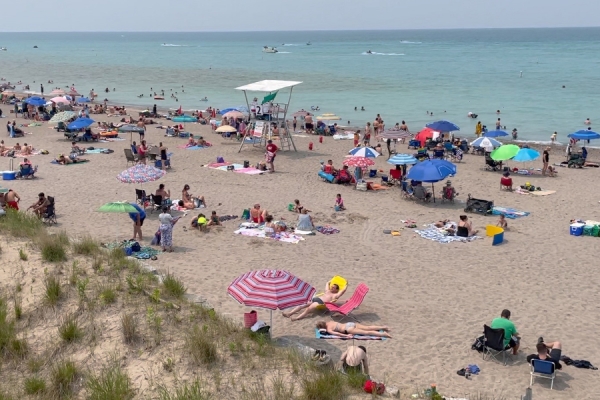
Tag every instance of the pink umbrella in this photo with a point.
(270, 289)
(233, 114)
(57, 92)
(59, 99)
(361, 162)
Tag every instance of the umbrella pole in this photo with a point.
(433, 192)
(271, 325)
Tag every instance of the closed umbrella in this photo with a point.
(443, 126)
(505, 152)
(525, 155)
(270, 289)
(495, 133)
(402, 159)
(226, 128)
(584, 135)
(35, 101)
(395, 134)
(431, 171)
(80, 123)
(364, 152)
(361, 162)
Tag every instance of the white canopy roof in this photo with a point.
(268, 86)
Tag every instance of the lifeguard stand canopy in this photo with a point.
(262, 131)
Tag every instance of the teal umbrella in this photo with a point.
(184, 118)
(118, 207)
(505, 152)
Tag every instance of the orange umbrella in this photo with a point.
(423, 135)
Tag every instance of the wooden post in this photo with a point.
(528, 395)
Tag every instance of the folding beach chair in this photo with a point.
(141, 197)
(157, 202)
(49, 217)
(543, 369)
(352, 304)
(130, 157)
(407, 191)
(336, 280)
(493, 344)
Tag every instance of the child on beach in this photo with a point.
(214, 219)
(201, 222)
(502, 222)
(298, 208)
(339, 203)
(356, 138)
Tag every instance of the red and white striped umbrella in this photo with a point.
(360, 162)
(270, 289)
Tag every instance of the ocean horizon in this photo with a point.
(400, 74)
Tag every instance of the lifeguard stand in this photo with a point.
(261, 120)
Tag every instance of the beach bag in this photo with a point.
(135, 247)
(596, 230)
(374, 387)
(220, 160)
(587, 230)
(478, 344)
(246, 214)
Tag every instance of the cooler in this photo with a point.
(9, 175)
(577, 229)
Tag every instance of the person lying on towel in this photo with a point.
(349, 329)
(62, 160)
(332, 293)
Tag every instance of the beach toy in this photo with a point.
(290, 207)
(320, 139)
(220, 160)
(337, 208)
(496, 233)
(310, 146)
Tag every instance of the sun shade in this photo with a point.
(268, 86)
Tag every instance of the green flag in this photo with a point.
(269, 97)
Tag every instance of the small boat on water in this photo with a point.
(35, 47)
(308, 44)
(3, 48)
(267, 49)
(369, 52)
(159, 98)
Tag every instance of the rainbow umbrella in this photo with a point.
(140, 173)
(270, 289)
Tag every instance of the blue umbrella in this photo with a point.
(443, 126)
(525, 155)
(239, 108)
(184, 118)
(35, 101)
(495, 133)
(80, 123)
(584, 135)
(486, 142)
(402, 159)
(364, 152)
(431, 171)
(83, 100)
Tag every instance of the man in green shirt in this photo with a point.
(511, 336)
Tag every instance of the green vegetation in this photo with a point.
(112, 383)
(69, 329)
(173, 286)
(53, 289)
(34, 385)
(63, 375)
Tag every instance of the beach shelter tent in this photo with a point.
(277, 114)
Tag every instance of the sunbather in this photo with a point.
(349, 329)
(465, 228)
(214, 219)
(332, 293)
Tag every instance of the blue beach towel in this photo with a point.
(510, 213)
(321, 335)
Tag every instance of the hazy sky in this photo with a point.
(244, 15)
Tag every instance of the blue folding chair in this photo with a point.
(440, 154)
(407, 190)
(543, 369)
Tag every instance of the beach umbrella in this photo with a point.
(364, 152)
(239, 108)
(140, 173)
(35, 101)
(184, 118)
(234, 114)
(487, 143)
(80, 123)
(495, 133)
(130, 128)
(525, 155)
(301, 113)
(226, 128)
(83, 100)
(402, 159)
(395, 134)
(361, 162)
(63, 116)
(60, 99)
(505, 152)
(424, 134)
(57, 92)
(443, 126)
(73, 92)
(431, 171)
(584, 135)
(118, 207)
(328, 117)
(271, 290)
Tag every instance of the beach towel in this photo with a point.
(509, 212)
(327, 230)
(543, 192)
(224, 167)
(108, 140)
(252, 140)
(33, 153)
(324, 335)
(298, 232)
(343, 136)
(95, 151)
(439, 235)
(260, 233)
(64, 165)
(249, 171)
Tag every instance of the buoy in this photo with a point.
(320, 139)
(310, 146)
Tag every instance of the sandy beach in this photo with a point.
(435, 297)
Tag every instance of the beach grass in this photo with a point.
(53, 289)
(130, 327)
(34, 385)
(63, 375)
(86, 246)
(111, 383)
(173, 286)
(69, 329)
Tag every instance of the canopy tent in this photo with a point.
(275, 116)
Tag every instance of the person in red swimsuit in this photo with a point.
(12, 200)
(257, 215)
(270, 154)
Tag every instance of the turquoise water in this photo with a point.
(449, 72)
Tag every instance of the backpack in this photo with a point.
(374, 387)
(478, 344)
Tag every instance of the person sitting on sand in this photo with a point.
(349, 329)
(27, 149)
(62, 160)
(332, 293)
(502, 222)
(329, 168)
(191, 142)
(297, 207)
(214, 219)
(506, 181)
(200, 223)
(352, 359)
(190, 202)
(305, 222)
(3, 149)
(39, 207)
(339, 203)
(343, 176)
(547, 351)
(76, 149)
(17, 148)
(465, 228)
(271, 228)
(257, 215)
(201, 142)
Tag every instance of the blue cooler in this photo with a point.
(577, 229)
(9, 175)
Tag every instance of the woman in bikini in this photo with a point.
(349, 329)
(188, 201)
(332, 293)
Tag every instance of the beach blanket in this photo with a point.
(324, 335)
(252, 140)
(108, 140)
(260, 233)
(95, 151)
(509, 212)
(239, 168)
(192, 147)
(75, 163)
(439, 235)
(343, 136)
(249, 171)
(543, 192)
(327, 230)
(33, 153)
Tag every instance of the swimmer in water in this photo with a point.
(588, 122)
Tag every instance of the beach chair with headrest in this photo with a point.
(493, 344)
(130, 157)
(336, 280)
(543, 369)
(395, 176)
(26, 171)
(49, 216)
(352, 304)
(407, 190)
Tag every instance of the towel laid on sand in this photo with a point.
(260, 233)
(324, 335)
(74, 163)
(327, 230)
(509, 212)
(439, 235)
(543, 192)
(95, 151)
